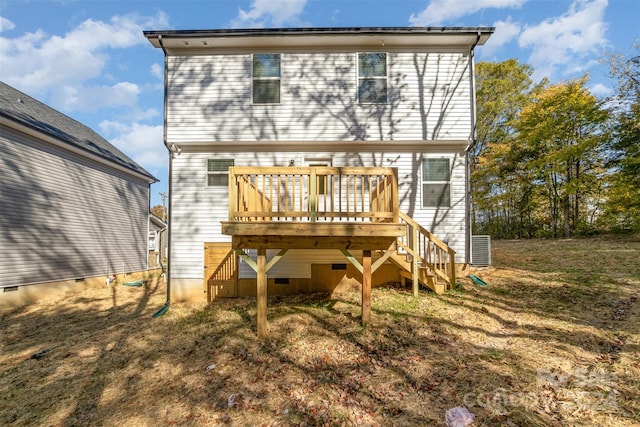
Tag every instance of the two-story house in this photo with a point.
(316, 155)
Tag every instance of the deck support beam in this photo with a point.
(367, 269)
(262, 293)
(353, 260)
(383, 258)
(261, 267)
(366, 287)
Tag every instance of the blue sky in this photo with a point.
(90, 60)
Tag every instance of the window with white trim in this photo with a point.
(372, 78)
(218, 172)
(266, 78)
(436, 183)
(152, 241)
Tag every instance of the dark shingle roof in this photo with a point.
(25, 110)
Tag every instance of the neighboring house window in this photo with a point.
(436, 186)
(266, 78)
(218, 172)
(152, 240)
(372, 78)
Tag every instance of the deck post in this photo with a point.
(262, 293)
(452, 268)
(313, 197)
(366, 287)
(414, 262)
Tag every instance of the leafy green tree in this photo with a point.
(502, 89)
(562, 132)
(623, 209)
(501, 195)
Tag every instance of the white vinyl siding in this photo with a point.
(210, 99)
(66, 217)
(200, 212)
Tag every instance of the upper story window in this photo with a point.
(436, 183)
(218, 172)
(266, 78)
(372, 78)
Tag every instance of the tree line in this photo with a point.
(553, 160)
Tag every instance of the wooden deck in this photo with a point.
(347, 208)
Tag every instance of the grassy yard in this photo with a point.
(552, 341)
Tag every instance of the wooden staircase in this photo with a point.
(424, 259)
(420, 257)
(330, 208)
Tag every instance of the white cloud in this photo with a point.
(580, 67)
(568, 39)
(6, 25)
(439, 11)
(39, 64)
(270, 13)
(335, 15)
(600, 90)
(506, 31)
(157, 71)
(92, 98)
(148, 114)
(143, 143)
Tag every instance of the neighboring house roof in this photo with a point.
(22, 109)
(157, 221)
(380, 37)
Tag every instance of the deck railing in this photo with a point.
(313, 194)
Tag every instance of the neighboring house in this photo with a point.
(72, 206)
(157, 242)
(329, 117)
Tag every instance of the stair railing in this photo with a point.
(427, 251)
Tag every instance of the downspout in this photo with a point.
(160, 254)
(469, 151)
(164, 138)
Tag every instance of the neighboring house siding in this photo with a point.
(197, 210)
(66, 217)
(209, 99)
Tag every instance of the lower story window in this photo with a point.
(436, 183)
(218, 172)
(152, 241)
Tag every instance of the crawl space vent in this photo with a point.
(481, 250)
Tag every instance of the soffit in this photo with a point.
(178, 41)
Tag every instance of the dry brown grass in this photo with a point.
(553, 340)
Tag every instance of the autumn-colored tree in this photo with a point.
(539, 156)
(501, 197)
(562, 133)
(160, 212)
